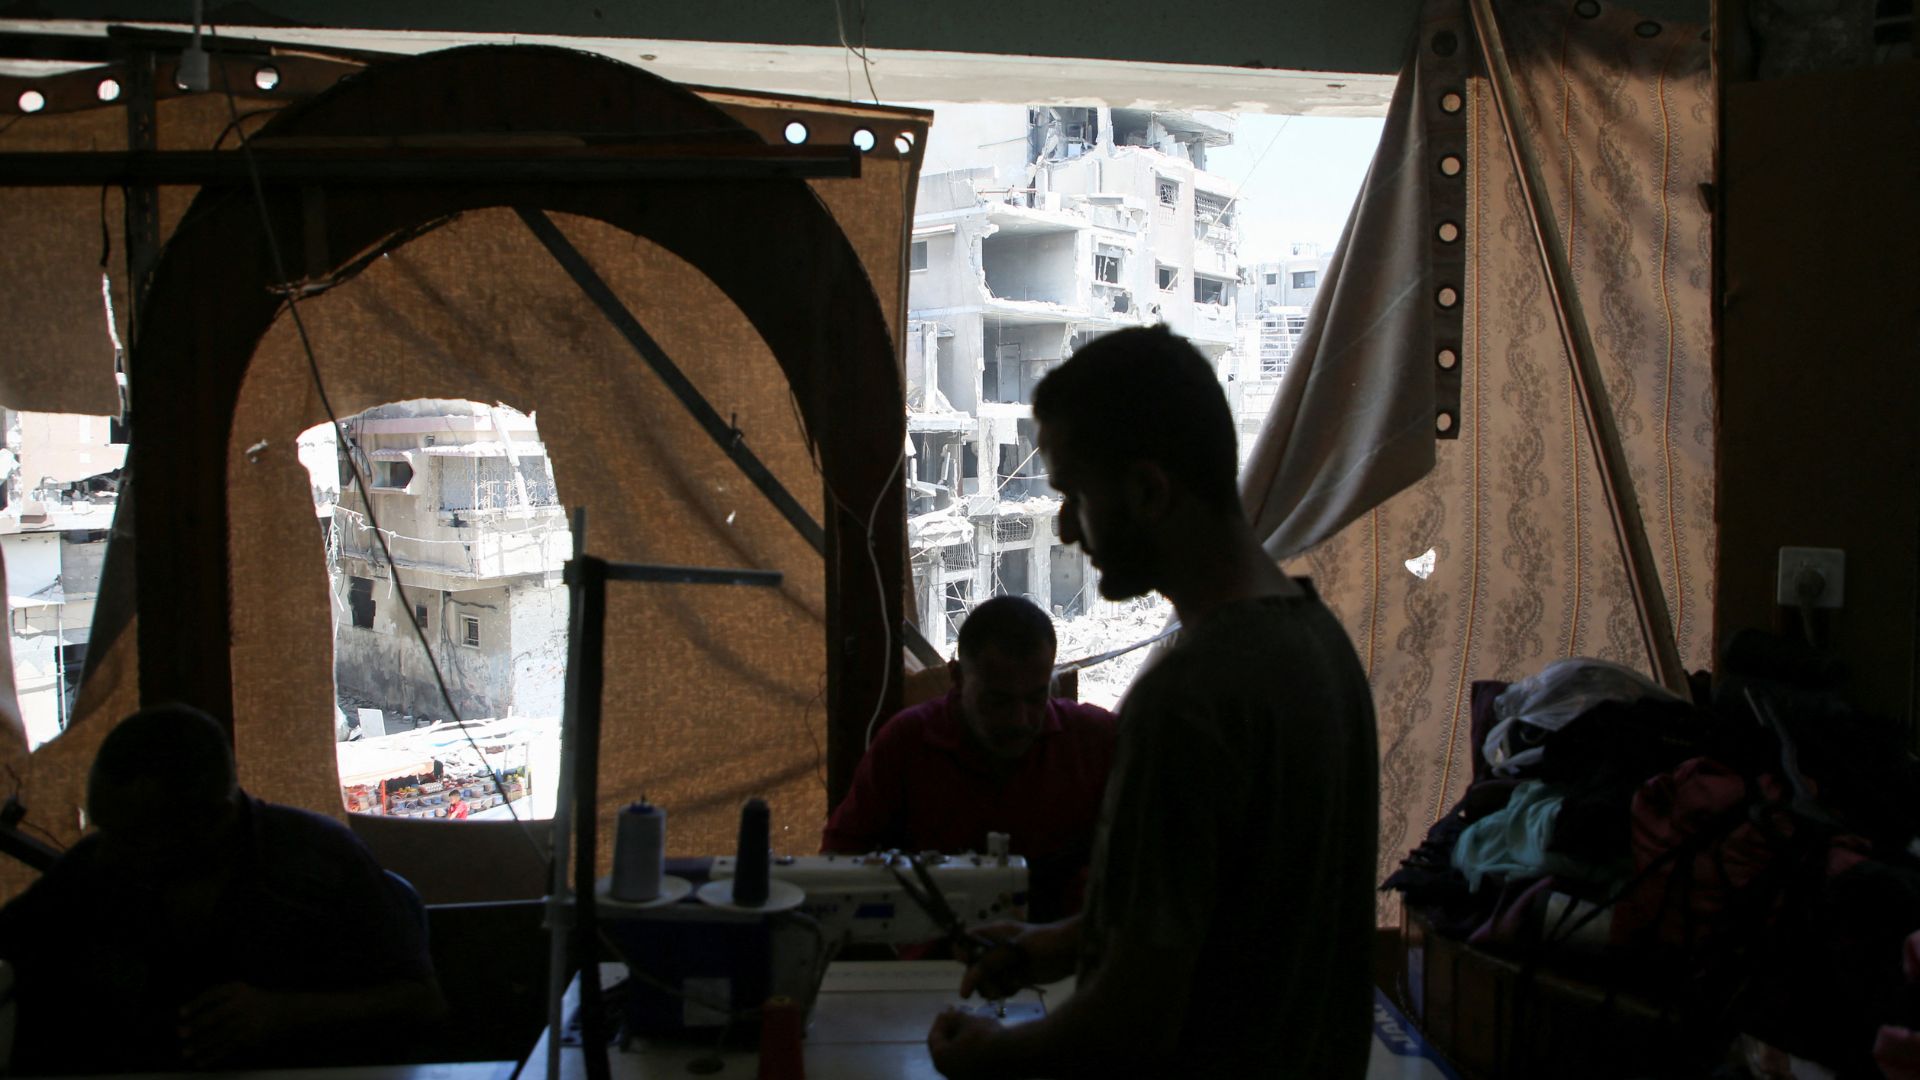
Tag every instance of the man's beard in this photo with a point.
(1124, 565)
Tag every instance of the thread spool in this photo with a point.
(752, 862)
(639, 852)
(780, 1057)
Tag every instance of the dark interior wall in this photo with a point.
(1354, 36)
(1820, 387)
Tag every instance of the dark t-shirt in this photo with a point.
(1240, 828)
(101, 975)
(924, 785)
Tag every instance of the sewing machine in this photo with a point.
(701, 967)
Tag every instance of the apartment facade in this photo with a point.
(465, 497)
(1036, 230)
(1275, 298)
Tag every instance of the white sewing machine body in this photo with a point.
(699, 966)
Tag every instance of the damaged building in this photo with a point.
(1275, 298)
(464, 496)
(1036, 230)
(59, 487)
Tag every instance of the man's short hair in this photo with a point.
(1144, 394)
(1013, 624)
(176, 744)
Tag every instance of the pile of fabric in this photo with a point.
(1751, 866)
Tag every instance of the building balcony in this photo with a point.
(938, 422)
(1216, 259)
(468, 548)
(1213, 323)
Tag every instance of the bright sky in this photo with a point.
(1298, 177)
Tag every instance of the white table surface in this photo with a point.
(458, 1070)
(871, 1021)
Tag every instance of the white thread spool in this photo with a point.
(639, 852)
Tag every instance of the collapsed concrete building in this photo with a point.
(1037, 229)
(465, 497)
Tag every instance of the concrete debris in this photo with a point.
(1111, 626)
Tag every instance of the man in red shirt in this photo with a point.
(996, 754)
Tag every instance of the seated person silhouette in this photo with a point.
(197, 926)
(996, 754)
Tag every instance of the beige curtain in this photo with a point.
(1502, 558)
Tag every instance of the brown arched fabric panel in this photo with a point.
(56, 356)
(711, 693)
(806, 265)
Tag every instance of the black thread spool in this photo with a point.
(752, 863)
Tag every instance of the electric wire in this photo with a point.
(359, 481)
(24, 823)
(234, 124)
(1245, 180)
(866, 62)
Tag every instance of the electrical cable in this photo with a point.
(1242, 186)
(51, 839)
(23, 822)
(866, 62)
(359, 481)
(873, 557)
(819, 753)
(234, 124)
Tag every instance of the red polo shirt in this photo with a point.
(925, 786)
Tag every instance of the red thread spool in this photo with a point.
(780, 1025)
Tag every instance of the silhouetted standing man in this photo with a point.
(1230, 914)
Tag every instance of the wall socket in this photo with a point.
(1827, 566)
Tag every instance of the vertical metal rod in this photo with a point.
(591, 575)
(142, 232)
(559, 912)
(1650, 602)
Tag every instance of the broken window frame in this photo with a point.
(1168, 192)
(388, 475)
(1167, 277)
(360, 602)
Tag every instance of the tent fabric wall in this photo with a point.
(1502, 558)
(710, 692)
(477, 308)
(57, 353)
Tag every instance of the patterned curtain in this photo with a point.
(1502, 557)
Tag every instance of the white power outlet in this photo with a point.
(1824, 567)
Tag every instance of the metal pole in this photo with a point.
(1650, 602)
(142, 233)
(559, 913)
(590, 586)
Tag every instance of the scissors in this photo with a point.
(926, 895)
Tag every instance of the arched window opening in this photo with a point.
(450, 638)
